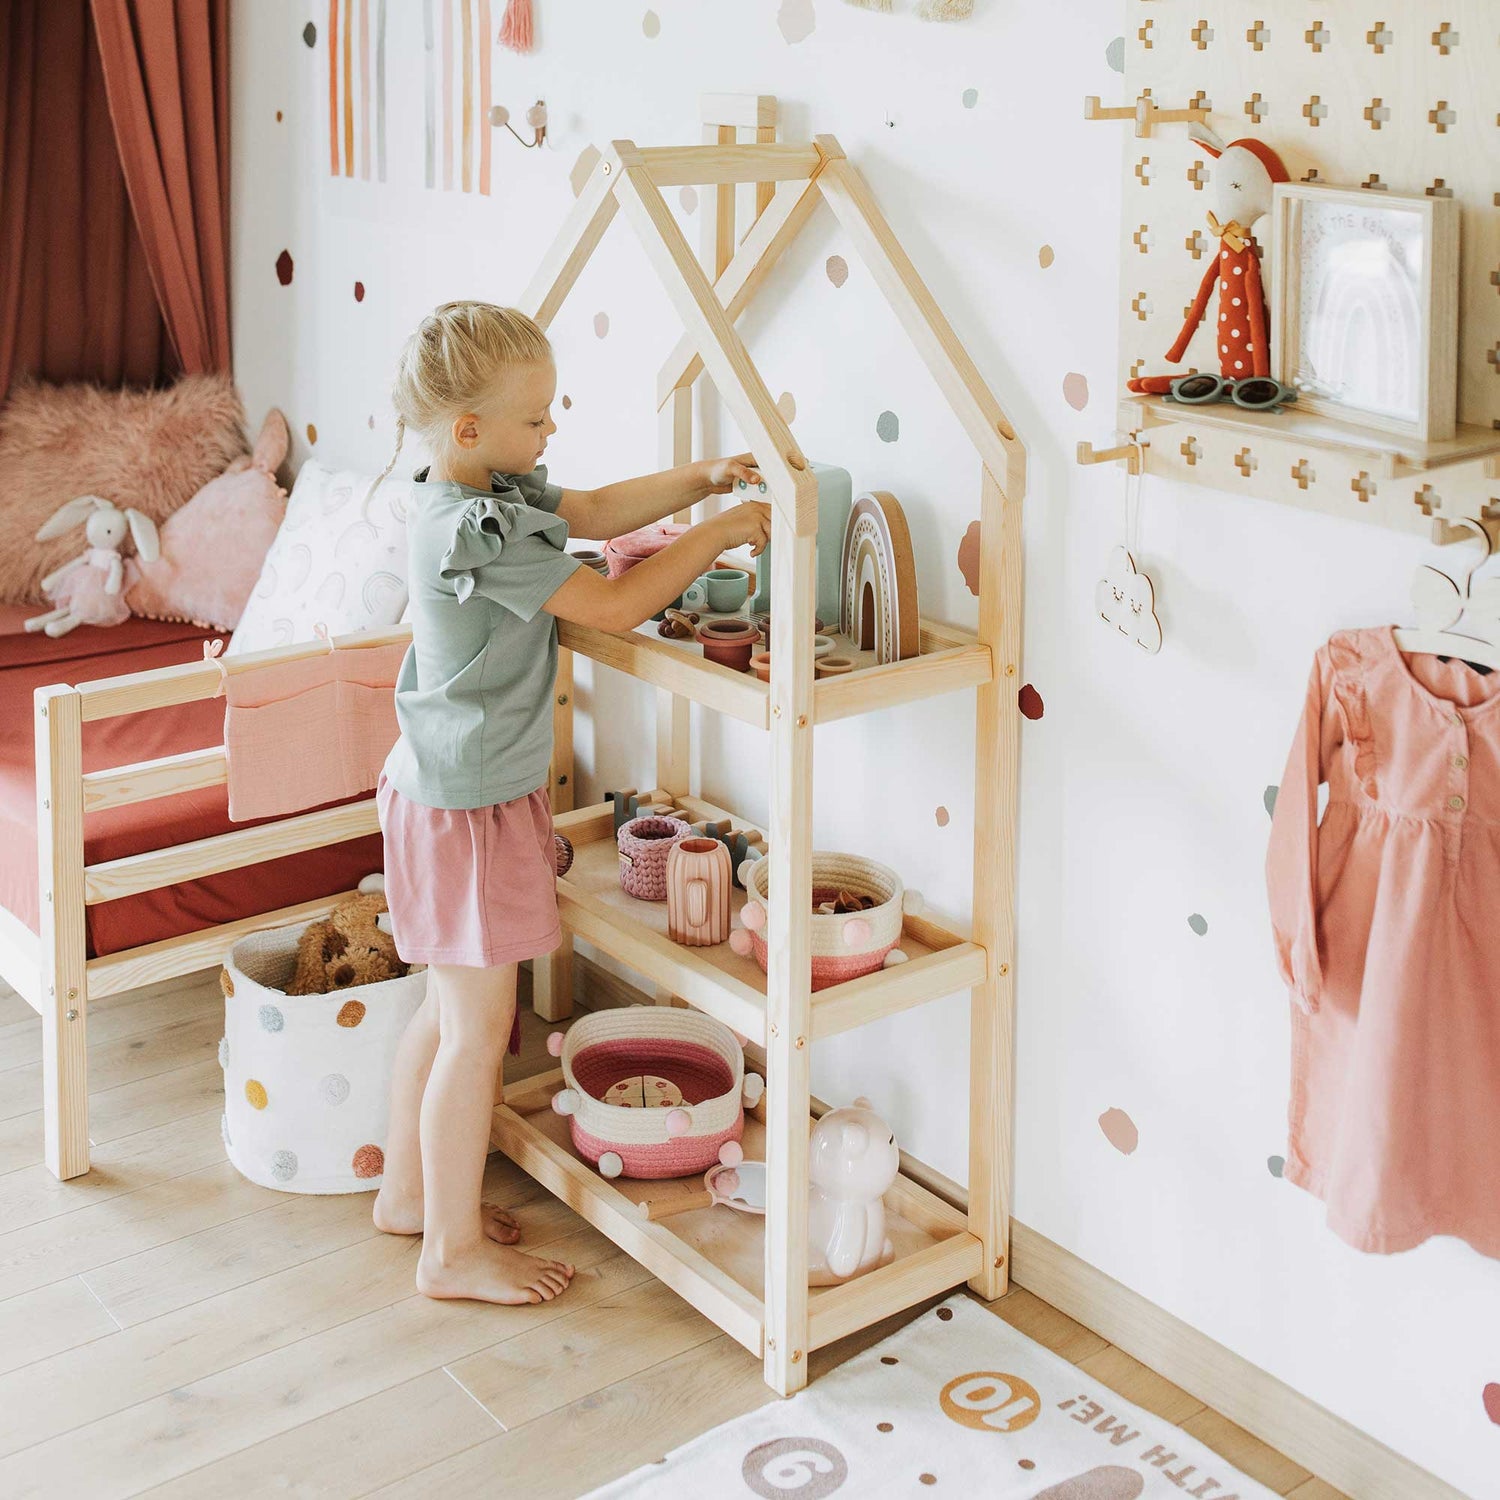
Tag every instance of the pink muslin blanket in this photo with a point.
(302, 733)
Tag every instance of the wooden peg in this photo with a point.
(1131, 453)
(1146, 113)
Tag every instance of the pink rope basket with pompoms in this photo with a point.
(695, 1055)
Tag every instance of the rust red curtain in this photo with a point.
(76, 299)
(166, 71)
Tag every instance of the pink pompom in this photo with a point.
(679, 1122)
(731, 1154)
(564, 1102)
(555, 1044)
(857, 932)
(753, 916)
(739, 940)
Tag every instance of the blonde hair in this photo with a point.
(449, 364)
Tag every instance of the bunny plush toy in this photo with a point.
(91, 589)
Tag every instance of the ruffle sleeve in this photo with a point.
(490, 524)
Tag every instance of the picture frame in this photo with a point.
(1364, 306)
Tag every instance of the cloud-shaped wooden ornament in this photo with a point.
(1126, 600)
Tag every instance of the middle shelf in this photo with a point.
(948, 661)
(731, 988)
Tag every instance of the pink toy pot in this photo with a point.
(624, 552)
(645, 844)
(699, 878)
(729, 642)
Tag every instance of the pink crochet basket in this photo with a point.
(644, 845)
(685, 1074)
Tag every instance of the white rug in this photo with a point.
(959, 1404)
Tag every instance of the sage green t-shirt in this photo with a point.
(474, 696)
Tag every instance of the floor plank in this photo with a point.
(338, 1457)
(127, 1015)
(1042, 1322)
(608, 1433)
(1132, 1380)
(1235, 1445)
(48, 1321)
(1316, 1489)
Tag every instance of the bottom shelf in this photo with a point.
(714, 1257)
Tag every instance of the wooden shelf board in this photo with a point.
(719, 981)
(715, 1257)
(950, 661)
(1386, 453)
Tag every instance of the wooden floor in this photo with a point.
(168, 1328)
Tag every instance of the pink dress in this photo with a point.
(1387, 924)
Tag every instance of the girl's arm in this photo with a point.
(623, 603)
(628, 504)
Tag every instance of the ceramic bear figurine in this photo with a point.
(852, 1161)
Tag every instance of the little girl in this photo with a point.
(469, 865)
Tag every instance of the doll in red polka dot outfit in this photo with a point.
(1242, 195)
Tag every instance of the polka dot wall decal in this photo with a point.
(927, 1478)
(369, 1161)
(786, 404)
(310, 34)
(1198, 924)
(567, 403)
(888, 427)
(971, 98)
(284, 268)
(312, 433)
(1045, 257)
(688, 198)
(1492, 1402)
(1026, 1463)
(1268, 799)
(255, 1093)
(837, 268)
(1276, 1165)
(1075, 390)
(1119, 1130)
(601, 325)
(1030, 703)
(968, 558)
(284, 1165)
(884, 1427)
(651, 23)
(271, 1019)
(583, 168)
(1114, 54)
(351, 1013)
(942, 817)
(359, 291)
(796, 20)
(334, 1089)
(278, 117)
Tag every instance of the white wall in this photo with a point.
(1142, 785)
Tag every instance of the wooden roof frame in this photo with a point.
(630, 178)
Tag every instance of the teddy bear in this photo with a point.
(852, 1161)
(348, 947)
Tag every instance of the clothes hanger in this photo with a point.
(1441, 601)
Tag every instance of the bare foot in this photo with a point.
(491, 1273)
(404, 1216)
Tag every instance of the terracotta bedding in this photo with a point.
(28, 662)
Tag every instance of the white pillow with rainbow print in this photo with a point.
(330, 564)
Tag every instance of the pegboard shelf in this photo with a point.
(1381, 454)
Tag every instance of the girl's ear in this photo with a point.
(466, 430)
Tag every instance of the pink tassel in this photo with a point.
(515, 28)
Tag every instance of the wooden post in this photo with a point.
(674, 722)
(992, 1003)
(789, 978)
(63, 950)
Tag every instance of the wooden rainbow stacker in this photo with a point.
(713, 1259)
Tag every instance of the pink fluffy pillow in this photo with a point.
(147, 449)
(213, 547)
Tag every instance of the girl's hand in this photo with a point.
(749, 523)
(720, 474)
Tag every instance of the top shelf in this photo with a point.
(1387, 455)
(949, 661)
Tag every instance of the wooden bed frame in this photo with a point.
(52, 971)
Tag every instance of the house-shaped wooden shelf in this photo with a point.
(712, 1257)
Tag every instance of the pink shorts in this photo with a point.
(476, 887)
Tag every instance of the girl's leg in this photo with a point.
(398, 1204)
(475, 1011)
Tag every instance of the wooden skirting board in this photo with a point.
(1333, 1449)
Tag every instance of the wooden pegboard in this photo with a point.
(1400, 96)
